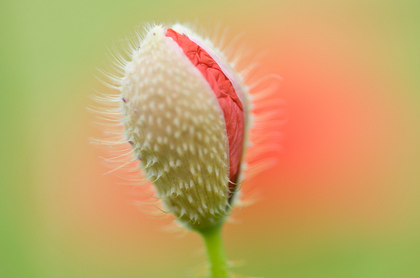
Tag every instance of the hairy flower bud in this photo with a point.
(185, 113)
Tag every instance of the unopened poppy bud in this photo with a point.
(185, 115)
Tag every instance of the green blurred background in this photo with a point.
(343, 201)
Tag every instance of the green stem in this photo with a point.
(213, 239)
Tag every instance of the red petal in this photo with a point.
(228, 100)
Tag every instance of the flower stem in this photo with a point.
(213, 239)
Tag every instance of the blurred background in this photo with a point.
(343, 200)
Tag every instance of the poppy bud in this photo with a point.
(185, 114)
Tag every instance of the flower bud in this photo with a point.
(185, 115)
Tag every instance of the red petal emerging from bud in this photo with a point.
(229, 101)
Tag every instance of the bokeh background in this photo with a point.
(343, 200)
